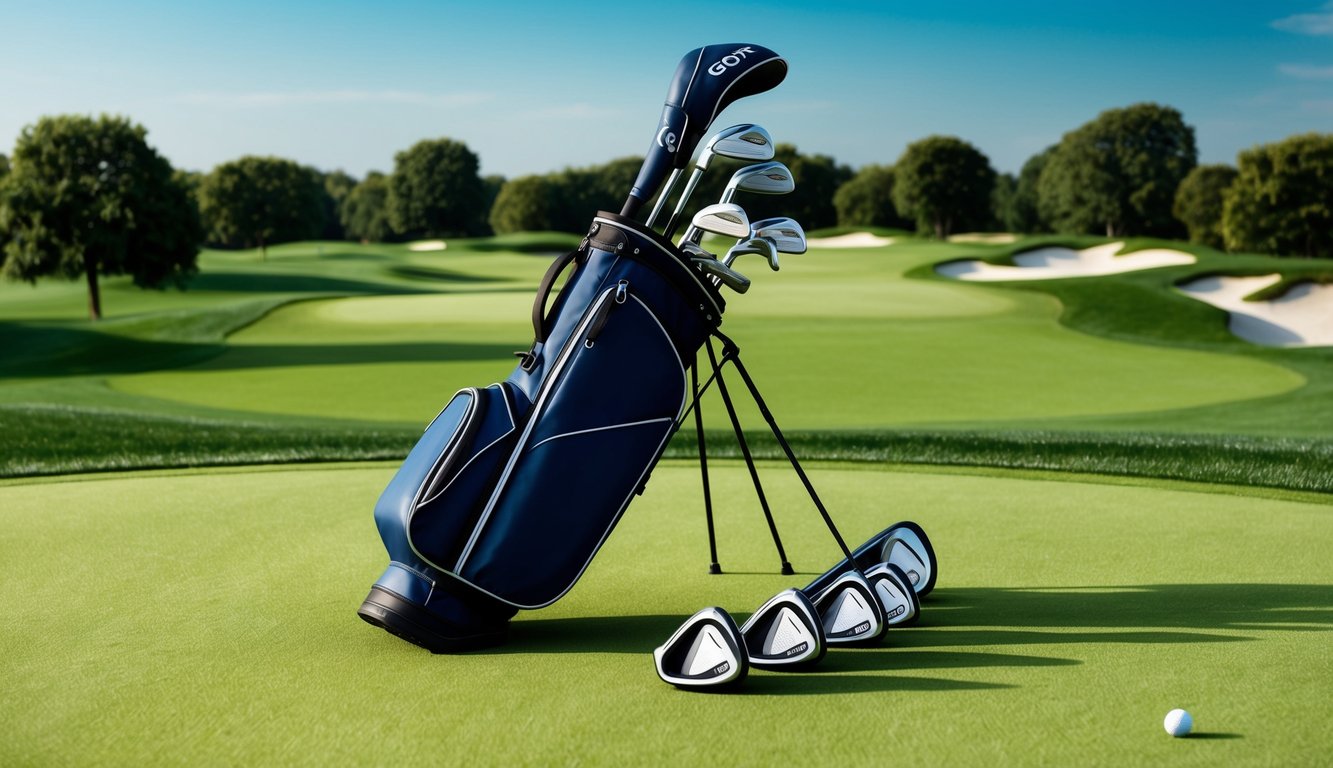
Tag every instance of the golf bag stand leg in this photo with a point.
(732, 353)
(713, 565)
(787, 570)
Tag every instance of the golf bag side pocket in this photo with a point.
(439, 491)
(597, 429)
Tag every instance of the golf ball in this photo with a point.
(1178, 722)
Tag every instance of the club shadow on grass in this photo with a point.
(1206, 736)
(1150, 613)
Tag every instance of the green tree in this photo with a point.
(1281, 201)
(255, 202)
(365, 211)
(4, 165)
(866, 200)
(524, 204)
(579, 193)
(1023, 213)
(945, 183)
(435, 191)
(1003, 199)
(337, 185)
(1199, 203)
(1118, 173)
(89, 197)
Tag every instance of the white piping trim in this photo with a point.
(684, 398)
(488, 446)
(417, 503)
(600, 429)
(556, 372)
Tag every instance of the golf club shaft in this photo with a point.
(662, 198)
(690, 184)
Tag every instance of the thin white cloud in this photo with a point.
(1313, 24)
(1318, 106)
(1306, 72)
(575, 111)
(305, 98)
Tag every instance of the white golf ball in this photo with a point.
(1178, 722)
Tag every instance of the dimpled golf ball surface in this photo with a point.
(1178, 722)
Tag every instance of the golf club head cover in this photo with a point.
(785, 632)
(895, 594)
(707, 80)
(706, 652)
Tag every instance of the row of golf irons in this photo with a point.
(854, 603)
(765, 238)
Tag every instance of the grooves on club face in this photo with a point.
(895, 594)
(849, 611)
(726, 219)
(706, 652)
(785, 633)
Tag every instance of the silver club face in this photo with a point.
(759, 246)
(726, 219)
(764, 179)
(706, 652)
(785, 233)
(784, 632)
(739, 142)
(849, 611)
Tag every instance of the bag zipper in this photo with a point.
(599, 309)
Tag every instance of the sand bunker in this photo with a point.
(1051, 263)
(427, 245)
(1301, 317)
(852, 240)
(985, 238)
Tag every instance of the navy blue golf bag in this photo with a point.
(514, 487)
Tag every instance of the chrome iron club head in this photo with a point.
(761, 246)
(895, 594)
(739, 142)
(786, 233)
(849, 611)
(706, 652)
(785, 632)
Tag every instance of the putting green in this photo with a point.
(209, 619)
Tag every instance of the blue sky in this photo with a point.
(536, 86)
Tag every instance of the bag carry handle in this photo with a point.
(541, 325)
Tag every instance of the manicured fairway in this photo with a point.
(209, 619)
(839, 336)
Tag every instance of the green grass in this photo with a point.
(199, 619)
(205, 616)
(337, 351)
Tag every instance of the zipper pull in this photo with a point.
(604, 313)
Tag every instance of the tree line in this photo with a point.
(83, 196)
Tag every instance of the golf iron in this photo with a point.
(707, 651)
(785, 632)
(739, 142)
(895, 593)
(903, 544)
